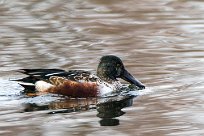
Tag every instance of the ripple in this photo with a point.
(160, 42)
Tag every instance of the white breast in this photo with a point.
(106, 88)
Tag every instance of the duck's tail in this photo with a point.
(28, 83)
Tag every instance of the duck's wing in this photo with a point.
(34, 75)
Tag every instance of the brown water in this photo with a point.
(160, 42)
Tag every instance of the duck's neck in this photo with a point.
(107, 79)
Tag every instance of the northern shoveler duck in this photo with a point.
(79, 83)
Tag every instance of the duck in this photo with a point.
(80, 83)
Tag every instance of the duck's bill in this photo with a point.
(129, 78)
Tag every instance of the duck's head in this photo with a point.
(111, 67)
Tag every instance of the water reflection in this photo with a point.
(111, 109)
(108, 108)
(65, 105)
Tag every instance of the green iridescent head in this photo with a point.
(111, 67)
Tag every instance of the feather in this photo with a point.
(75, 89)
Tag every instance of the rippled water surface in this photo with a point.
(160, 42)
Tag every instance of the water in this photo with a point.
(160, 42)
